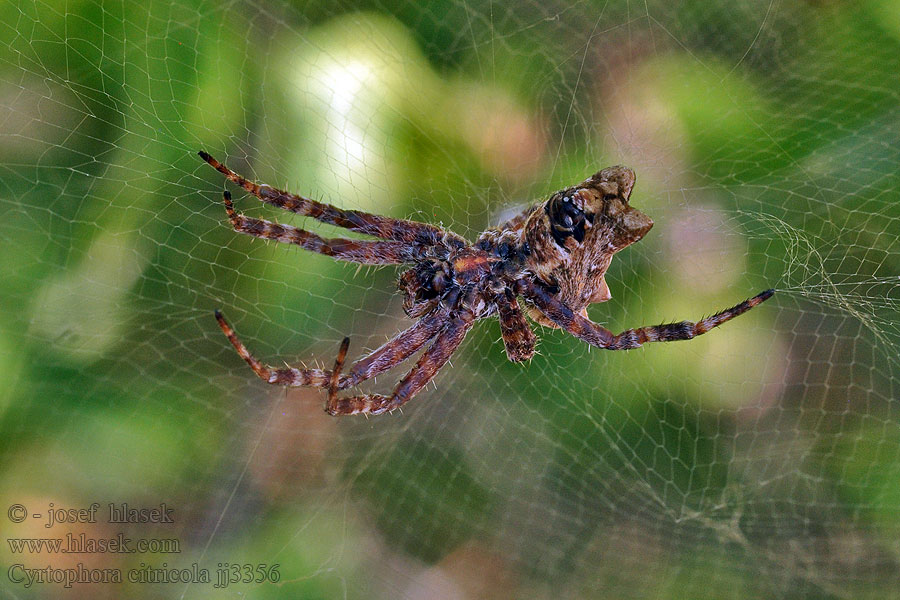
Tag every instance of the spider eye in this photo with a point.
(566, 220)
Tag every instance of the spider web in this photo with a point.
(761, 460)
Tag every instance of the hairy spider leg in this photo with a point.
(358, 251)
(431, 361)
(290, 376)
(601, 337)
(396, 350)
(375, 225)
(517, 335)
(338, 365)
(384, 358)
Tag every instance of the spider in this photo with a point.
(554, 255)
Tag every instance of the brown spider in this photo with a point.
(554, 255)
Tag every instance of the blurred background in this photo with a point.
(761, 460)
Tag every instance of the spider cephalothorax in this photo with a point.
(574, 235)
(554, 255)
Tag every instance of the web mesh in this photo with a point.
(760, 460)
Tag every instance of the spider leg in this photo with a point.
(375, 225)
(289, 376)
(396, 350)
(431, 361)
(358, 251)
(601, 337)
(517, 335)
(386, 357)
(338, 365)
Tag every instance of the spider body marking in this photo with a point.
(554, 255)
